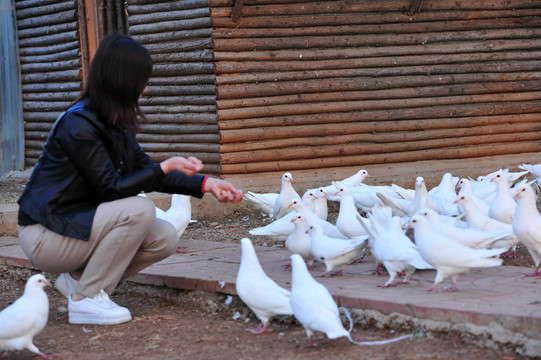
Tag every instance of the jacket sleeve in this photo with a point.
(84, 145)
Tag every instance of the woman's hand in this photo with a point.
(189, 166)
(223, 191)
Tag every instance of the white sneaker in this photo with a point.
(66, 284)
(99, 310)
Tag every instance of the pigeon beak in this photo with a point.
(292, 220)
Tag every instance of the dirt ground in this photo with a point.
(174, 324)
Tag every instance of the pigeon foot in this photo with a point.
(260, 329)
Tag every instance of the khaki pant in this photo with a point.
(125, 238)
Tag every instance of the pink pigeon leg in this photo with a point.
(535, 273)
(432, 287)
(179, 249)
(260, 329)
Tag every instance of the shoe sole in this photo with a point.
(77, 319)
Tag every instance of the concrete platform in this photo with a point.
(498, 298)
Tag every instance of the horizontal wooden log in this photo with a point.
(51, 96)
(182, 69)
(184, 45)
(52, 87)
(181, 90)
(184, 129)
(50, 66)
(47, 31)
(40, 120)
(170, 26)
(236, 67)
(44, 9)
(466, 152)
(301, 43)
(177, 109)
(379, 104)
(221, 21)
(52, 76)
(59, 56)
(280, 88)
(388, 142)
(49, 39)
(400, 93)
(180, 99)
(307, 74)
(172, 35)
(383, 130)
(203, 55)
(426, 49)
(190, 79)
(45, 105)
(143, 7)
(182, 118)
(43, 20)
(399, 6)
(176, 138)
(34, 144)
(307, 28)
(137, 20)
(265, 131)
(180, 147)
(205, 157)
(25, 4)
(46, 50)
(177, 128)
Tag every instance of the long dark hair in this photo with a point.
(118, 74)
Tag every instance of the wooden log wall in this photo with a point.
(180, 100)
(49, 50)
(324, 84)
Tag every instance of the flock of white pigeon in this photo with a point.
(452, 233)
(446, 229)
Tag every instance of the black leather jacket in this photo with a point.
(84, 163)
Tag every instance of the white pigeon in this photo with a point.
(321, 207)
(299, 242)
(286, 195)
(179, 213)
(444, 196)
(345, 222)
(353, 180)
(465, 186)
(527, 224)
(473, 238)
(449, 257)
(476, 219)
(259, 292)
(159, 212)
(26, 318)
(420, 193)
(502, 207)
(264, 202)
(327, 227)
(314, 307)
(281, 228)
(335, 252)
(397, 252)
(535, 170)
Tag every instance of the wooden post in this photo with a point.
(89, 37)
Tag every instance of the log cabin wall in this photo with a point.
(49, 49)
(180, 100)
(334, 84)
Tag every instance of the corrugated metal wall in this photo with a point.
(320, 84)
(50, 65)
(180, 100)
(11, 124)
